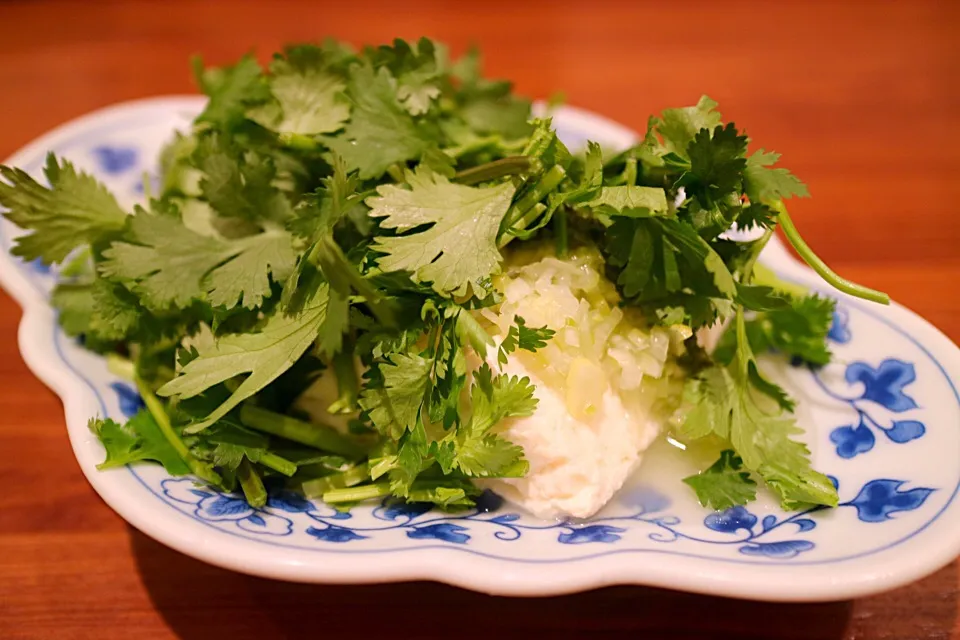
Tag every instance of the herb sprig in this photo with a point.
(343, 213)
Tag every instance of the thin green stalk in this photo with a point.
(470, 331)
(518, 228)
(818, 265)
(337, 269)
(630, 172)
(550, 180)
(297, 141)
(396, 172)
(747, 273)
(560, 232)
(147, 186)
(318, 487)
(120, 366)
(199, 468)
(357, 494)
(278, 464)
(348, 384)
(252, 485)
(313, 435)
(509, 166)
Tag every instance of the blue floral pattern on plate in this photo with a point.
(883, 385)
(876, 501)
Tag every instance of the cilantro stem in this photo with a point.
(120, 366)
(470, 331)
(818, 265)
(340, 272)
(318, 487)
(756, 249)
(297, 141)
(277, 463)
(560, 233)
(313, 435)
(252, 485)
(525, 210)
(357, 494)
(550, 180)
(200, 469)
(630, 172)
(508, 166)
(348, 386)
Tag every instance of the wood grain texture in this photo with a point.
(861, 98)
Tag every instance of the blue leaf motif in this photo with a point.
(223, 507)
(880, 498)
(731, 520)
(905, 431)
(591, 533)
(332, 533)
(768, 521)
(341, 515)
(114, 160)
(505, 518)
(805, 524)
(782, 549)
(852, 441)
(407, 510)
(128, 398)
(290, 502)
(839, 329)
(441, 531)
(258, 520)
(884, 385)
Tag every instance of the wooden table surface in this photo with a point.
(862, 100)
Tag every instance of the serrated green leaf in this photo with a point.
(460, 248)
(74, 211)
(724, 484)
(763, 183)
(264, 355)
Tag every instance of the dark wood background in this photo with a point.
(862, 100)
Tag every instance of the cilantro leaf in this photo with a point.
(239, 184)
(395, 407)
(418, 70)
(716, 162)
(138, 440)
(724, 484)
(630, 201)
(460, 246)
(75, 210)
(230, 89)
(307, 99)
(678, 127)
(172, 265)
(797, 329)
(725, 405)
(380, 133)
(480, 453)
(264, 355)
(763, 183)
(524, 337)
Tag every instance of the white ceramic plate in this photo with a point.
(884, 420)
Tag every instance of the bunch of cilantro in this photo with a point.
(342, 213)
